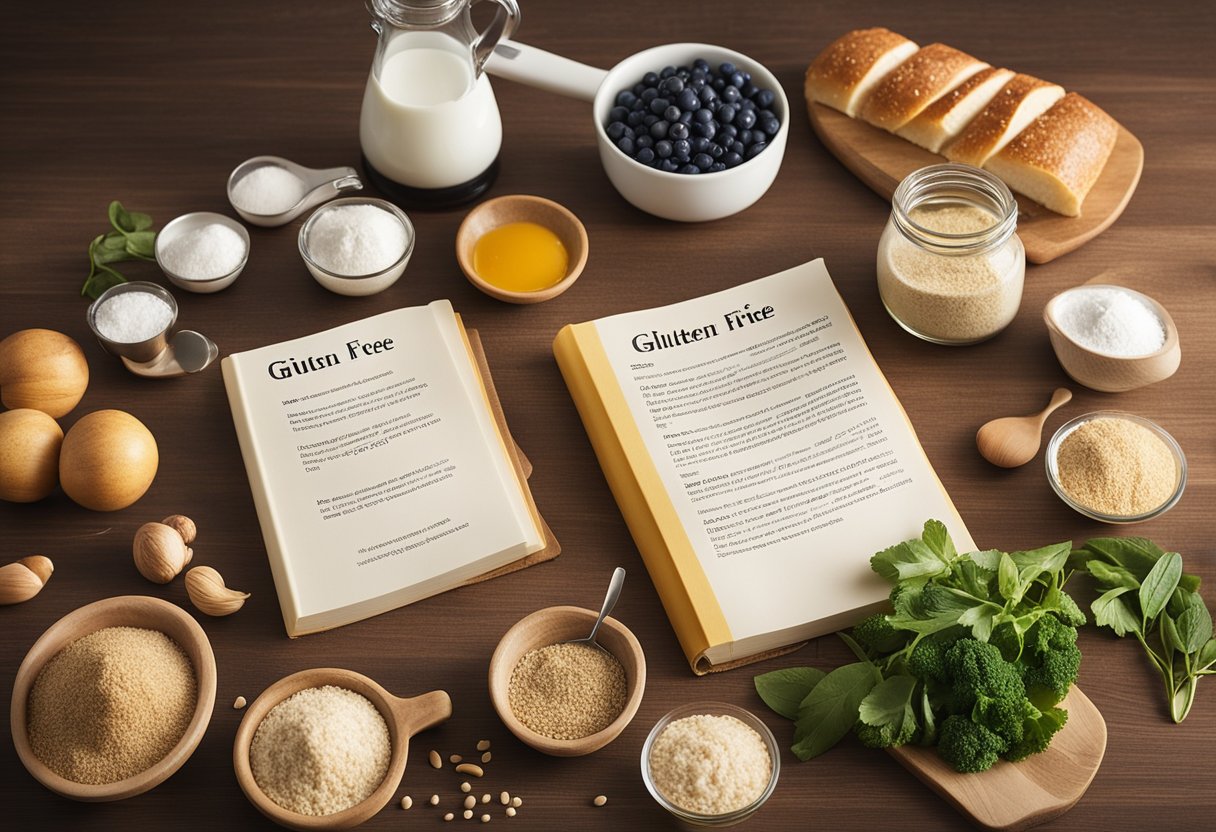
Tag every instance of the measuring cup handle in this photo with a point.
(537, 68)
(506, 20)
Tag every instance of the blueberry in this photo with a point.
(700, 144)
(649, 119)
(681, 147)
(726, 68)
(730, 94)
(749, 89)
(663, 148)
(673, 86)
(746, 119)
(626, 145)
(707, 94)
(701, 64)
(708, 131)
(644, 140)
(667, 72)
(615, 130)
(717, 151)
(686, 169)
(719, 84)
(746, 137)
(685, 117)
(645, 156)
(729, 132)
(770, 126)
(703, 161)
(726, 113)
(682, 73)
(669, 165)
(625, 98)
(638, 89)
(736, 80)
(649, 94)
(716, 167)
(755, 149)
(672, 113)
(658, 105)
(635, 118)
(765, 98)
(701, 116)
(659, 129)
(638, 104)
(688, 100)
(738, 147)
(732, 159)
(650, 79)
(679, 130)
(618, 113)
(766, 113)
(746, 104)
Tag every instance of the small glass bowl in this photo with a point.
(361, 284)
(694, 820)
(191, 222)
(1053, 471)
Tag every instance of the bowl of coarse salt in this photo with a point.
(710, 764)
(357, 245)
(1111, 338)
(203, 251)
(326, 748)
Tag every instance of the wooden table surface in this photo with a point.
(154, 104)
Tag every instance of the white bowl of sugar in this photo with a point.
(357, 245)
(203, 251)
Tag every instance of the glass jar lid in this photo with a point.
(960, 185)
(423, 13)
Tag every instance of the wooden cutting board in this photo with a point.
(881, 160)
(1013, 796)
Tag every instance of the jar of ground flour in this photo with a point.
(950, 267)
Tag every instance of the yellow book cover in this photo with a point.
(758, 456)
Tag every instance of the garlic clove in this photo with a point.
(183, 525)
(22, 580)
(159, 552)
(207, 591)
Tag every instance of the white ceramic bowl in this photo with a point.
(362, 284)
(186, 223)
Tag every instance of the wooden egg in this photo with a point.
(42, 369)
(108, 460)
(29, 455)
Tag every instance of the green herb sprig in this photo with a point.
(1146, 593)
(131, 239)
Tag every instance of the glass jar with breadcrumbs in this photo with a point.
(950, 264)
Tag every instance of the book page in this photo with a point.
(381, 466)
(786, 455)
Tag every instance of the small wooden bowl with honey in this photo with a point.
(521, 248)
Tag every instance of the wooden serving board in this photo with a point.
(881, 160)
(1013, 796)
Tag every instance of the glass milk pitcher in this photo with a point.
(430, 129)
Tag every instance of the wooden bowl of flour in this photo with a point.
(404, 717)
(138, 611)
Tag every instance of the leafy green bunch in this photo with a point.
(130, 239)
(974, 659)
(1146, 593)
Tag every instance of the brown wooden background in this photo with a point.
(155, 103)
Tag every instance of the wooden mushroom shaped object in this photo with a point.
(1014, 440)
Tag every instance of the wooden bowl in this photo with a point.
(123, 611)
(554, 625)
(497, 212)
(1113, 373)
(405, 717)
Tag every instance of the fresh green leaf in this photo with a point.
(937, 538)
(974, 579)
(989, 559)
(1159, 584)
(104, 278)
(1170, 639)
(928, 723)
(831, 708)
(112, 241)
(1111, 576)
(140, 222)
(1207, 655)
(1194, 626)
(980, 619)
(1046, 559)
(889, 703)
(783, 690)
(908, 561)
(1008, 580)
(142, 244)
(119, 218)
(1136, 554)
(1110, 611)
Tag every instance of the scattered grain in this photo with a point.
(510, 811)
(567, 691)
(600, 800)
(467, 813)
(111, 704)
(449, 816)
(505, 799)
(434, 800)
(485, 818)
(455, 758)
(471, 769)
(465, 787)
(1116, 466)
(485, 758)
(407, 802)
(239, 703)
(436, 760)
(485, 798)
(516, 802)
(320, 751)
(483, 745)
(470, 802)
(710, 764)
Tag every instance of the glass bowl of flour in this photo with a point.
(357, 245)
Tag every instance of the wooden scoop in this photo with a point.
(1014, 796)
(405, 717)
(1014, 440)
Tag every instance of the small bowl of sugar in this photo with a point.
(132, 320)
(357, 245)
(1111, 338)
(203, 251)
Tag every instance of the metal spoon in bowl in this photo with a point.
(610, 599)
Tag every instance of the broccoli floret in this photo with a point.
(968, 746)
(1050, 661)
(1003, 717)
(977, 670)
(876, 635)
(885, 736)
(1038, 729)
(928, 659)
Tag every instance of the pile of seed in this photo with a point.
(1116, 466)
(320, 751)
(111, 704)
(567, 691)
(710, 764)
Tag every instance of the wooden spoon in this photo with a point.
(1014, 440)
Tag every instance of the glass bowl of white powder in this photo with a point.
(710, 764)
(357, 245)
(203, 251)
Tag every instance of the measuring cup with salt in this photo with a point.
(614, 592)
(290, 188)
(140, 334)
